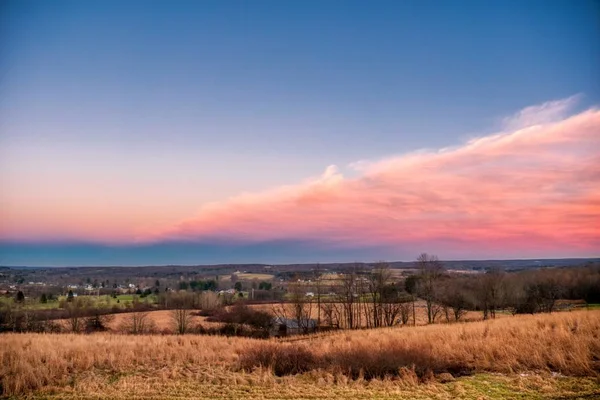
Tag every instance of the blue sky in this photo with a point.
(145, 111)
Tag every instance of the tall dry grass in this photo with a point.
(568, 343)
(30, 361)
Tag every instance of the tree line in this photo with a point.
(377, 297)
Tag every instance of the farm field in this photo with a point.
(539, 357)
(247, 277)
(163, 322)
(106, 301)
(420, 312)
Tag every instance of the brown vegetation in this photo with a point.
(568, 343)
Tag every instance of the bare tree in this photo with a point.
(411, 286)
(396, 305)
(76, 311)
(318, 285)
(405, 311)
(543, 292)
(11, 316)
(181, 314)
(208, 300)
(97, 319)
(454, 299)
(489, 292)
(181, 319)
(331, 314)
(430, 271)
(299, 308)
(138, 321)
(378, 282)
(349, 297)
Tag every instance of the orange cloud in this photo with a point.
(534, 186)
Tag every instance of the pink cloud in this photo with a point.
(537, 185)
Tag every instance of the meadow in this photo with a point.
(249, 276)
(540, 356)
(103, 301)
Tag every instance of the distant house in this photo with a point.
(287, 326)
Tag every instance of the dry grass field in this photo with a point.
(420, 312)
(543, 356)
(162, 320)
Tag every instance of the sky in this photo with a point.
(184, 132)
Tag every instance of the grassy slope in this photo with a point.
(510, 358)
(256, 386)
(103, 301)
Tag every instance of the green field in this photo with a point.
(104, 301)
(247, 277)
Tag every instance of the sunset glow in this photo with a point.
(298, 132)
(535, 187)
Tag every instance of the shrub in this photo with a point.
(281, 358)
(365, 361)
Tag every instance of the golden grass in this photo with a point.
(96, 365)
(30, 361)
(262, 386)
(162, 320)
(568, 343)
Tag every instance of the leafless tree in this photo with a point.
(208, 300)
(181, 313)
(490, 292)
(349, 298)
(405, 311)
(318, 286)
(76, 311)
(138, 321)
(379, 279)
(331, 314)
(97, 319)
(299, 308)
(454, 299)
(431, 271)
(544, 291)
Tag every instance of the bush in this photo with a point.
(281, 358)
(241, 315)
(363, 360)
